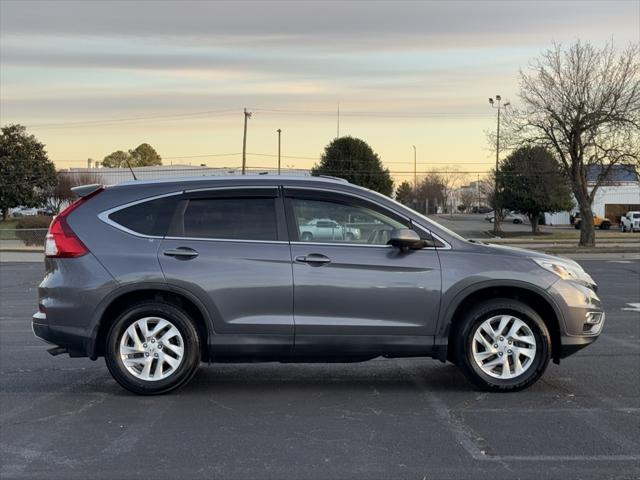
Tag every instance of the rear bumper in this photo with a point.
(75, 345)
(40, 328)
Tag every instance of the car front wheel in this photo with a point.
(152, 348)
(502, 345)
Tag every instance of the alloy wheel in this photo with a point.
(151, 348)
(504, 346)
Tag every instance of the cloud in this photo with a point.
(346, 25)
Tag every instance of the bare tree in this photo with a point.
(467, 198)
(450, 180)
(583, 104)
(61, 194)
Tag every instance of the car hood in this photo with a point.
(522, 252)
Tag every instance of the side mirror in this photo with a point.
(405, 238)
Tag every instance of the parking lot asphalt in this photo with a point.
(474, 225)
(383, 419)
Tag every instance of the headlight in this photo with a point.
(566, 270)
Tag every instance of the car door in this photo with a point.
(356, 294)
(229, 246)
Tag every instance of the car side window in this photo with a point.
(330, 221)
(147, 218)
(243, 218)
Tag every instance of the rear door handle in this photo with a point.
(181, 252)
(313, 259)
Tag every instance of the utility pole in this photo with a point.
(279, 132)
(415, 170)
(496, 104)
(247, 115)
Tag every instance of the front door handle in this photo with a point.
(313, 259)
(183, 253)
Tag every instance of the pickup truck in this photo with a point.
(603, 223)
(630, 222)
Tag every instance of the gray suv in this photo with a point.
(158, 276)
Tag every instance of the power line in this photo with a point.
(364, 113)
(132, 119)
(230, 111)
(292, 157)
(338, 172)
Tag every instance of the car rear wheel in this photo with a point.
(152, 348)
(502, 345)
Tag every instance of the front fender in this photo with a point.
(458, 293)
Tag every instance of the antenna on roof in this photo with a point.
(130, 169)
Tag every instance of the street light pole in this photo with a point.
(247, 115)
(415, 173)
(497, 104)
(279, 132)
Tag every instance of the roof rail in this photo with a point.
(334, 178)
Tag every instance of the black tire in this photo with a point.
(516, 221)
(306, 236)
(350, 237)
(605, 226)
(191, 356)
(462, 348)
(576, 226)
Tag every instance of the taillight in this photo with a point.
(61, 241)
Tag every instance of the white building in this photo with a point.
(620, 194)
(111, 176)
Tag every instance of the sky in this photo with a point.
(91, 77)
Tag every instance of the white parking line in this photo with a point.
(635, 307)
(560, 458)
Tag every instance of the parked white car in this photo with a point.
(327, 229)
(630, 222)
(509, 217)
(24, 212)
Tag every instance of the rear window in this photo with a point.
(147, 218)
(245, 218)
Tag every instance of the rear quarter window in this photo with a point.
(147, 218)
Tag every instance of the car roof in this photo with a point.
(236, 178)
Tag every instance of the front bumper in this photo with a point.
(582, 316)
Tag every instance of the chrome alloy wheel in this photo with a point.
(504, 347)
(151, 348)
